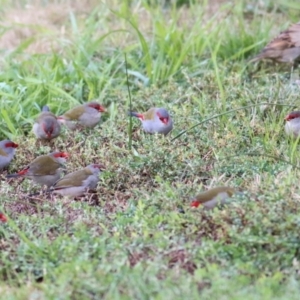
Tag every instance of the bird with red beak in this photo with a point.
(86, 115)
(77, 183)
(155, 120)
(7, 152)
(45, 169)
(292, 124)
(213, 197)
(46, 126)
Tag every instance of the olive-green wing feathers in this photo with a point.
(73, 179)
(74, 113)
(49, 165)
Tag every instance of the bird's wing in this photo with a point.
(287, 39)
(73, 179)
(3, 153)
(44, 165)
(149, 115)
(74, 113)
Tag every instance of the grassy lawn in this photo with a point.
(130, 241)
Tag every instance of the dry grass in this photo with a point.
(46, 24)
(48, 28)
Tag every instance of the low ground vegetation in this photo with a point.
(131, 239)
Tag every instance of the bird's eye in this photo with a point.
(292, 116)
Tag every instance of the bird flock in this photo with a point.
(46, 170)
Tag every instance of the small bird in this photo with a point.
(292, 125)
(46, 126)
(284, 48)
(77, 183)
(86, 115)
(213, 197)
(3, 217)
(45, 169)
(155, 120)
(7, 152)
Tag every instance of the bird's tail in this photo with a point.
(258, 57)
(21, 173)
(135, 114)
(13, 175)
(45, 108)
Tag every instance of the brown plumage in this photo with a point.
(77, 183)
(211, 198)
(46, 126)
(155, 120)
(86, 115)
(284, 48)
(45, 169)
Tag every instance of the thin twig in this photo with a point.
(226, 113)
(130, 107)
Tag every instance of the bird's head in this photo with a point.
(48, 128)
(96, 106)
(293, 115)
(60, 157)
(96, 168)
(163, 115)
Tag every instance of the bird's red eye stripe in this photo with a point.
(195, 203)
(11, 145)
(292, 116)
(97, 107)
(61, 154)
(165, 120)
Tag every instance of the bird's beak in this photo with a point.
(165, 121)
(3, 218)
(195, 203)
(102, 109)
(287, 118)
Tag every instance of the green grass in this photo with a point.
(130, 241)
